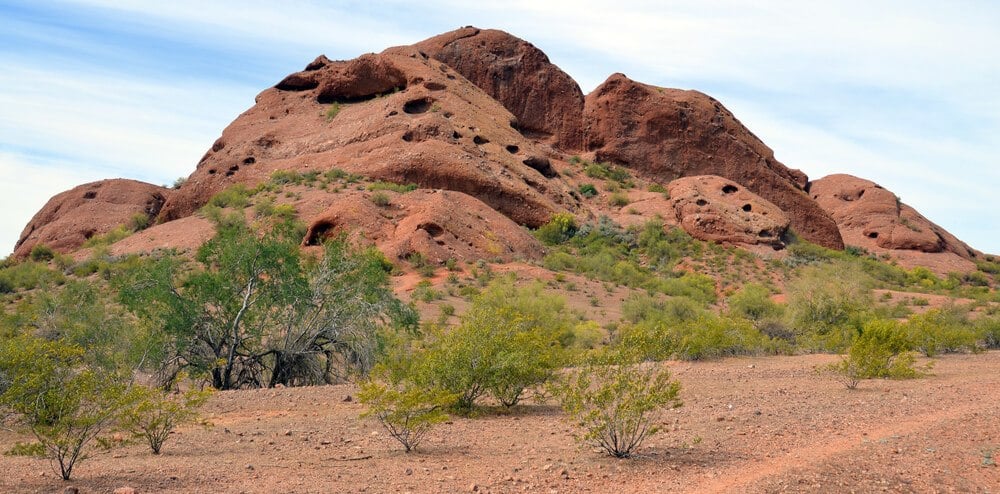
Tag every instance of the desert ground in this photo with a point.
(768, 424)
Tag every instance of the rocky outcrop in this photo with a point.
(665, 134)
(438, 224)
(400, 117)
(872, 217)
(71, 218)
(547, 102)
(716, 209)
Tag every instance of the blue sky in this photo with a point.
(905, 93)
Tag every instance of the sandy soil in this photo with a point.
(748, 425)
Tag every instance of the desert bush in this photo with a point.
(587, 190)
(41, 253)
(618, 200)
(400, 188)
(713, 337)
(989, 330)
(559, 229)
(138, 222)
(941, 331)
(332, 111)
(237, 197)
(407, 411)
(615, 401)
(879, 350)
(827, 303)
(640, 307)
(63, 403)
(154, 413)
(509, 341)
(753, 302)
(380, 199)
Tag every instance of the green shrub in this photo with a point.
(880, 350)
(402, 189)
(615, 401)
(407, 411)
(29, 275)
(504, 346)
(618, 200)
(606, 171)
(989, 330)
(941, 331)
(236, 197)
(753, 302)
(587, 190)
(108, 238)
(139, 222)
(714, 337)
(559, 229)
(155, 414)
(425, 292)
(380, 199)
(827, 303)
(654, 187)
(65, 405)
(41, 253)
(332, 111)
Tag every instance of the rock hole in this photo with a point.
(297, 82)
(417, 106)
(417, 80)
(872, 235)
(90, 194)
(747, 208)
(408, 136)
(701, 202)
(249, 160)
(432, 229)
(764, 234)
(512, 149)
(541, 165)
(452, 77)
(729, 189)
(393, 113)
(480, 140)
(435, 86)
(89, 234)
(212, 171)
(232, 169)
(218, 145)
(448, 114)
(456, 135)
(319, 232)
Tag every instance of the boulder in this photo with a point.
(438, 224)
(716, 209)
(547, 102)
(872, 217)
(666, 134)
(70, 218)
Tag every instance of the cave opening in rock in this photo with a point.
(416, 106)
(747, 208)
(319, 233)
(729, 189)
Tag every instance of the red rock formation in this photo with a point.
(715, 209)
(872, 217)
(547, 102)
(438, 224)
(669, 133)
(397, 117)
(72, 217)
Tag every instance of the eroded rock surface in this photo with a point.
(669, 133)
(872, 217)
(716, 209)
(69, 218)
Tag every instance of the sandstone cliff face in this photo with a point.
(715, 209)
(399, 117)
(872, 217)
(547, 102)
(88, 210)
(669, 133)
